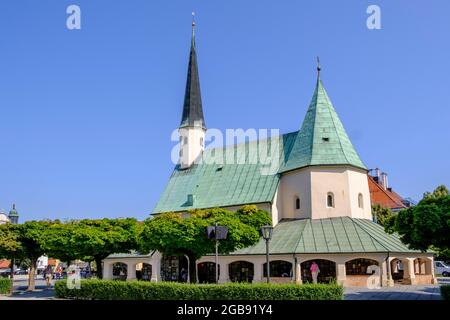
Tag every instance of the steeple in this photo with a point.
(192, 107)
(322, 139)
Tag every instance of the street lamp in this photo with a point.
(267, 235)
(217, 233)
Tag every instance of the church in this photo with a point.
(318, 198)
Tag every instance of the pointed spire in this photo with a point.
(192, 107)
(322, 139)
(318, 68)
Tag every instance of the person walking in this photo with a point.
(48, 275)
(314, 271)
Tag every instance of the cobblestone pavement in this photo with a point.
(399, 292)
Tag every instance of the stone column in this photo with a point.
(223, 273)
(341, 275)
(429, 269)
(389, 280)
(156, 268)
(131, 271)
(408, 271)
(298, 272)
(107, 270)
(258, 271)
(422, 266)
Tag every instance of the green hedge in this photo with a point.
(445, 292)
(5, 285)
(135, 290)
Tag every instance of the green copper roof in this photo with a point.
(231, 184)
(243, 180)
(332, 235)
(322, 139)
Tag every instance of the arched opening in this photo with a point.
(278, 268)
(360, 266)
(419, 266)
(360, 201)
(144, 271)
(241, 271)
(119, 271)
(174, 268)
(327, 271)
(207, 272)
(297, 203)
(330, 200)
(397, 270)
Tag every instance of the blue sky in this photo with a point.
(86, 115)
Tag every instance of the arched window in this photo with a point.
(360, 201)
(278, 268)
(201, 142)
(297, 203)
(330, 200)
(360, 267)
(185, 140)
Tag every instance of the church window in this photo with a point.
(330, 200)
(360, 201)
(201, 142)
(297, 203)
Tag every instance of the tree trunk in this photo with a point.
(98, 264)
(192, 268)
(32, 275)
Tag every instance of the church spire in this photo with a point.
(192, 107)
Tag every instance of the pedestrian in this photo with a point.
(314, 271)
(48, 275)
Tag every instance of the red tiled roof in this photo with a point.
(4, 264)
(385, 198)
(53, 262)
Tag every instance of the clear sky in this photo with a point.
(86, 115)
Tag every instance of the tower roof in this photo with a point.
(13, 212)
(192, 107)
(322, 139)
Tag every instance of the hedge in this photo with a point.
(137, 290)
(445, 292)
(5, 285)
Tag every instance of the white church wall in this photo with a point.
(313, 184)
(295, 184)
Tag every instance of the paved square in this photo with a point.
(399, 292)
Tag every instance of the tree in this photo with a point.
(381, 214)
(440, 191)
(425, 225)
(94, 240)
(31, 235)
(173, 234)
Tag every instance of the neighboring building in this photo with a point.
(318, 197)
(12, 217)
(381, 193)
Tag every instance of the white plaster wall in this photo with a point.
(192, 149)
(312, 185)
(358, 184)
(295, 184)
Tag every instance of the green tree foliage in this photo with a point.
(440, 191)
(381, 214)
(173, 234)
(425, 225)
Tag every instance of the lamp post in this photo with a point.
(267, 235)
(217, 233)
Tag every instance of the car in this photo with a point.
(21, 272)
(441, 268)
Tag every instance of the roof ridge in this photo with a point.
(370, 235)
(301, 236)
(330, 104)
